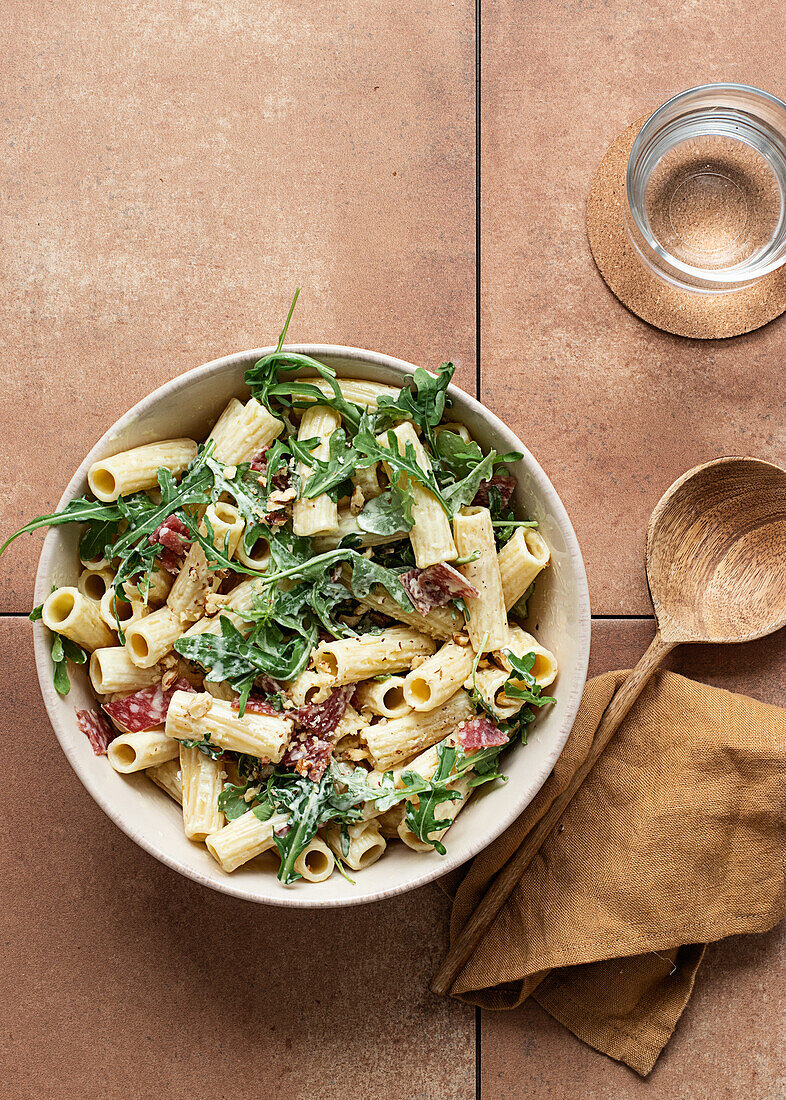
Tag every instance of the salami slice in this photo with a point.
(145, 709)
(175, 538)
(321, 719)
(505, 484)
(480, 733)
(310, 757)
(436, 586)
(255, 704)
(96, 729)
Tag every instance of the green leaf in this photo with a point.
(373, 451)
(388, 514)
(63, 651)
(328, 475)
(422, 401)
(530, 692)
(463, 492)
(35, 614)
(232, 802)
(205, 747)
(76, 511)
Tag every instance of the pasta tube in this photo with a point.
(520, 561)
(488, 622)
(365, 844)
(167, 777)
(73, 615)
(151, 638)
(128, 611)
(202, 782)
(201, 717)
(490, 683)
(130, 471)
(347, 524)
(132, 752)
(318, 515)
(227, 524)
(439, 677)
(111, 670)
(94, 583)
(392, 742)
(351, 659)
(243, 839)
(445, 811)
(520, 642)
(316, 862)
(431, 538)
(442, 622)
(384, 697)
(357, 390)
(243, 430)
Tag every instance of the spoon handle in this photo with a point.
(506, 880)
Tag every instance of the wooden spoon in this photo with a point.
(716, 567)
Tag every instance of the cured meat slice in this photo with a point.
(175, 538)
(436, 586)
(145, 709)
(96, 729)
(255, 704)
(322, 718)
(505, 484)
(310, 757)
(480, 733)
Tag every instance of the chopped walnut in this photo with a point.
(417, 660)
(213, 601)
(280, 497)
(230, 472)
(200, 705)
(461, 639)
(356, 501)
(169, 678)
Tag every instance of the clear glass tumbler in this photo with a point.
(706, 187)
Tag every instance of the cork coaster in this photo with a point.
(685, 313)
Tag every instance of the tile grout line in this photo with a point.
(478, 386)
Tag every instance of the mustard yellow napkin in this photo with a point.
(674, 840)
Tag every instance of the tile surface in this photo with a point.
(729, 1042)
(173, 171)
(124, 979)
(615, 410)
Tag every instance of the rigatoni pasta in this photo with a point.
(314, 677)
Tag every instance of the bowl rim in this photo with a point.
(432, 871)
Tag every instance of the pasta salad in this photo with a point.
(307, 629)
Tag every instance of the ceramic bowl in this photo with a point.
(559, 615)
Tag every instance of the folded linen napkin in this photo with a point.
(674, 840)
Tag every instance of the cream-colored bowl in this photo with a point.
(559, 615)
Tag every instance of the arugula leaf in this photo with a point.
(337, 797)
(388, 514)
(530, 692)
(232, 801)
(464, 491)
(423, 401)
(329, 474)
(63, 651)
(462, 457)
(205, 747)
(365, 572)
(35, 614)
(230, 657)
(93, 512)
(373, 451)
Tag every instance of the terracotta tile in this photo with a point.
(729, 1040)
(171, 172)
(127, 980)
(614, 409)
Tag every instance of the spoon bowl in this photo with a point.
(716, 552)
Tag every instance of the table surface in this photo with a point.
(171, 172)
